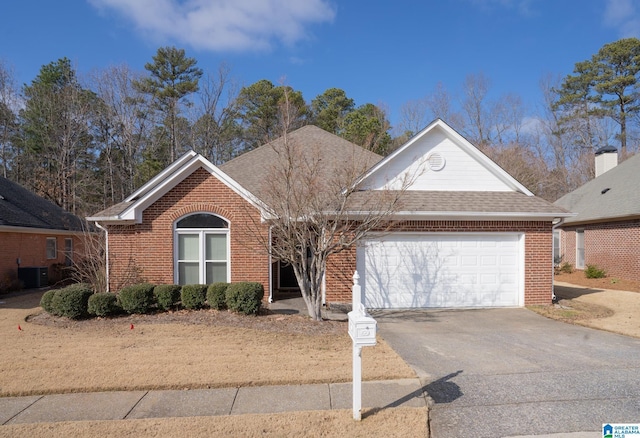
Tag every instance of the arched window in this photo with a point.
(202, 249)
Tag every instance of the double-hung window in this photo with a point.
(202, 249)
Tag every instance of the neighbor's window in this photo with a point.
(52, 248)
(68, 252)
(557, 257)
(580, 249)
(202, 249)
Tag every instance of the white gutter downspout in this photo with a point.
(106, 247)
(553, 274)
(270, 270)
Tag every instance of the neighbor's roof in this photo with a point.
(614, 195)
(253, 168)
(21, 208)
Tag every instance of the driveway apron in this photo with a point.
(511, 372)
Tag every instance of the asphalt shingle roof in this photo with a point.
(468, 202)
(21, 208)
(252, 168)
(613, 195)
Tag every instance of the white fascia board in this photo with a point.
(133, 213)
(460, 141)
(161, 176)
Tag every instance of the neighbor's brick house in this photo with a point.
(34, 233)
(605, 231)
(467, 234)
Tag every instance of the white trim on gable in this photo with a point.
(171, 177)
(503, 180)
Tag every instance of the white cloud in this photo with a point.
(622, 15)
(221, 25)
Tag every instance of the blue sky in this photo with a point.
(383, 52)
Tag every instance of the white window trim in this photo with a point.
(55, 248)
(202, 232)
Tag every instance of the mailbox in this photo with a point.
(362, 328)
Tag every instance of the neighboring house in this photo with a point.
(36, 237)
(466, 235)
(606, 229)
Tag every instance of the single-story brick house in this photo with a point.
(467, 235)
(36, 237)
(606, 228)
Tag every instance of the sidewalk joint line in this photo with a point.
(26, 407)
(135, 405)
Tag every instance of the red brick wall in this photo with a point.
(31, 249)
(149, 247)
(538, 258)
(613, 246)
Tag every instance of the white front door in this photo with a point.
(405, 270)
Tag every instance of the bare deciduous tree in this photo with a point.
(315, 209)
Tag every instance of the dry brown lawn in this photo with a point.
(397, 422)
(188, 349)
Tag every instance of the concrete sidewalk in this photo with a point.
(120, 405)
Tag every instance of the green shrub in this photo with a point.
(566, 268)
(72, 301)
(245, 297)
(593, 271)
(137, 298)
(216, 295)
(167, 295)
(46, 301)
(194, 296)
(103, 304)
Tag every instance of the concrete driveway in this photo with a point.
(510, 372)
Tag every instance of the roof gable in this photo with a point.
(131, 209)
(20, 207)
(612, 195)
(440, 159)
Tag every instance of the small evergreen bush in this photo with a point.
(46, 301)
(245, 297)
(593, 271)
(103, 304)
(72, 301)
(167, 296)
(137, 298)
(193, 296)
(566, 268)
(216, 295)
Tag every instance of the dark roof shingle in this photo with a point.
(21, 208)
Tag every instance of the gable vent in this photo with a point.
(435, 161)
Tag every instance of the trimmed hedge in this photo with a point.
(216, 295)
(167, 296)
(137, 298)
(245, 297)
(103, 304)
(46, 301)
(194, 296)
(72, 301)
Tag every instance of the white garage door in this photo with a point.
(441, 270)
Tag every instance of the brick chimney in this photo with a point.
(606, 159)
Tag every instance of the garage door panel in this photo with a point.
(403, 271)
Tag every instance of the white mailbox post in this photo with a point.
(362, 329)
